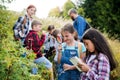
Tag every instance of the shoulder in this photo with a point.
(82, 47)
(102, 57)
(81, 44)
(80, 18)
(20, 18)
(47, 34)
(34, 33)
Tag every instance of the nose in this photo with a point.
(33, 13)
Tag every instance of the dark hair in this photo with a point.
(68, 27)
(50, 27)
(101, 45)
(55, 33)
(31, 6)
(35, 22)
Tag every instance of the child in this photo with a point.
(70, 48)
(49, 42)
(58, 40)
(23, 24)
(99, 59)
(33, 42)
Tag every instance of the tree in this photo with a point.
(2, 6)
(55, 12)
(104, 15)
(68, 5)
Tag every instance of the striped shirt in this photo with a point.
(100, 68)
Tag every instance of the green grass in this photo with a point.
(115, 47)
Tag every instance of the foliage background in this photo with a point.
(15, 67)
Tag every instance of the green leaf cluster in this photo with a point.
(12, 65)
(104, 15)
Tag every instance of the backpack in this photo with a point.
(87, 26)
(19, 30)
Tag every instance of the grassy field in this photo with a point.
(115, 47)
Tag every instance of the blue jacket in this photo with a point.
(80, 25)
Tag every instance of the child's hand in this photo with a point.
(60, 48)
(43, 33)
(67, 67)
(84, 67)
(59, 39)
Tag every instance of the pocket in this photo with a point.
(73, 53)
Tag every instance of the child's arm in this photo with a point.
(46, 38)
(103, 69)
(41, 40)
(59, 53)
(68, 67)
(82, 50)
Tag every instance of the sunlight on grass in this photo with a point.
(115, 47)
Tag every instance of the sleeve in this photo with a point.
(38, 42)
(80, 25)
(46, 38)
(83, 48)
(28, 41)
(103, 70)
(18, 23)
(41, 40)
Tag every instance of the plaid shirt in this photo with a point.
(19, 22)
(32, 41)
(100, 69)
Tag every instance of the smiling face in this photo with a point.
(31, 11)
(89, 45)
(67, 36)
(37, 28)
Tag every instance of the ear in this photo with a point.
(74, 34)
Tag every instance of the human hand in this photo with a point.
(60, 48)
(59, 39)
(43, 32)
(67, 67)
(83, 66)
